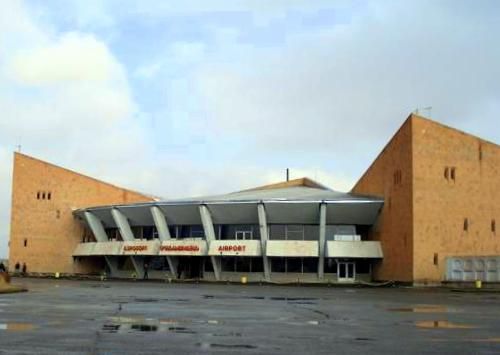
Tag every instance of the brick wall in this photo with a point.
(47, 226)
(390, 177)
(453, 211)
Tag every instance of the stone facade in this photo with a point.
(444, 203)
(44, 233)
(456, 179)
(390, 177)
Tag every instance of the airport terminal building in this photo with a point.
(425, 211)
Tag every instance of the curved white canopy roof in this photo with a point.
(296, 201)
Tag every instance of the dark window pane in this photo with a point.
(330, 266)
(277, 232)
(311, 232)
(197, 231)
(278, 264)
(208, 265)
(228, 263)
(158, 263)
(294, 265)
(242, 264)
(310, 265)
(257, 265)
(363, 266)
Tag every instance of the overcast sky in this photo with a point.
(181, 98)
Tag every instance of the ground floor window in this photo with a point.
(241, 264)
(294, 265)
(363, 266)
(157, 263)
(125, 263)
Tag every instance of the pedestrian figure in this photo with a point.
(24, 268)
(2, 267)
(146, 267)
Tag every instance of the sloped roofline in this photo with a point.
(300, 182)
(408, 121)
(155, 198)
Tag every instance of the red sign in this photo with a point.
(224, 248)
(135, 248)
(179, 248)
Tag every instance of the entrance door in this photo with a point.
(346, 271)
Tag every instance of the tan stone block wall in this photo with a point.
(441, 205)
(390, 176)
(48, 226)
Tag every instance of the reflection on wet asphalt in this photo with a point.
(81, 317)
(442, 324)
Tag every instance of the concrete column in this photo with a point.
(112, 264)
(96, 227)
(126, 232)
(100, 235)
(264, 236)
(123, 225)
(164, 234)
(322, 240)
(208, 227)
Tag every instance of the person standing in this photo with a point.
(2, 267)
(146, 268)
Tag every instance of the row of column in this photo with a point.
(161, 224)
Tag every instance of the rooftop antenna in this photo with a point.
(287, 174)
(428, 109)
(18, 148)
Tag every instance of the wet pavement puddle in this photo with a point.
(226, 346)
(442, 324)
(468, 340)
(144, 327)
(16, 327)
(424, 309)
(141, 324)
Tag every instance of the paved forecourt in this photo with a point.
(62, 316)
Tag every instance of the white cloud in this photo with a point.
(65, 98)
(73, 57)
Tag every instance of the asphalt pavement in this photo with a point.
(116, 317)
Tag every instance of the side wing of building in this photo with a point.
(456, 205)
(390, 176)
(43, 230)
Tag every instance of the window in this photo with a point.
(436, 259)
(243, 235)
(446, 173)
(452, 173)
(397, 176)
(330, 266)
(25, 242)
(278, 264)
(294, 232)
(466, 224)
(49, 195)
(493, 226)
(243, 232)
(43, 195)
(277, 232)
(38, 195)
(197, 231)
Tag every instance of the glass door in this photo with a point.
(346, 271)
